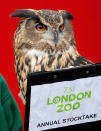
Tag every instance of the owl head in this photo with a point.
(44, 30)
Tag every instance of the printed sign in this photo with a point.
(65, 103)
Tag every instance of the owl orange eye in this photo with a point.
(61, 27)
(41, 27)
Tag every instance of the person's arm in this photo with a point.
(10, 117)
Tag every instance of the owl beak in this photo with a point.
(56, 38)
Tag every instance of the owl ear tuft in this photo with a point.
(26, 13)
(66, 14)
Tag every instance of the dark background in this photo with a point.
(86, 24)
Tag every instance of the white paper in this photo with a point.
(65, 103)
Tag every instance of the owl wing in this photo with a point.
(22, 70)
(80, 61)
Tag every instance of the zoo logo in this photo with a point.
(69, 89)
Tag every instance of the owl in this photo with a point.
(44, 41)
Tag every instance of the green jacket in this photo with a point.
(10, 117)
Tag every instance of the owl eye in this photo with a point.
(61, 27)
(41, 27)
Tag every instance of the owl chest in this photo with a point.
(38, 61)
(49, 62)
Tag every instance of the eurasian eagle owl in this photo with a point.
(44, 41)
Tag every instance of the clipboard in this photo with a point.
(64, 99)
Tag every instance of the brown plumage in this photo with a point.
(44, 41)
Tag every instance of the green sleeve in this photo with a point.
(10, 117)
